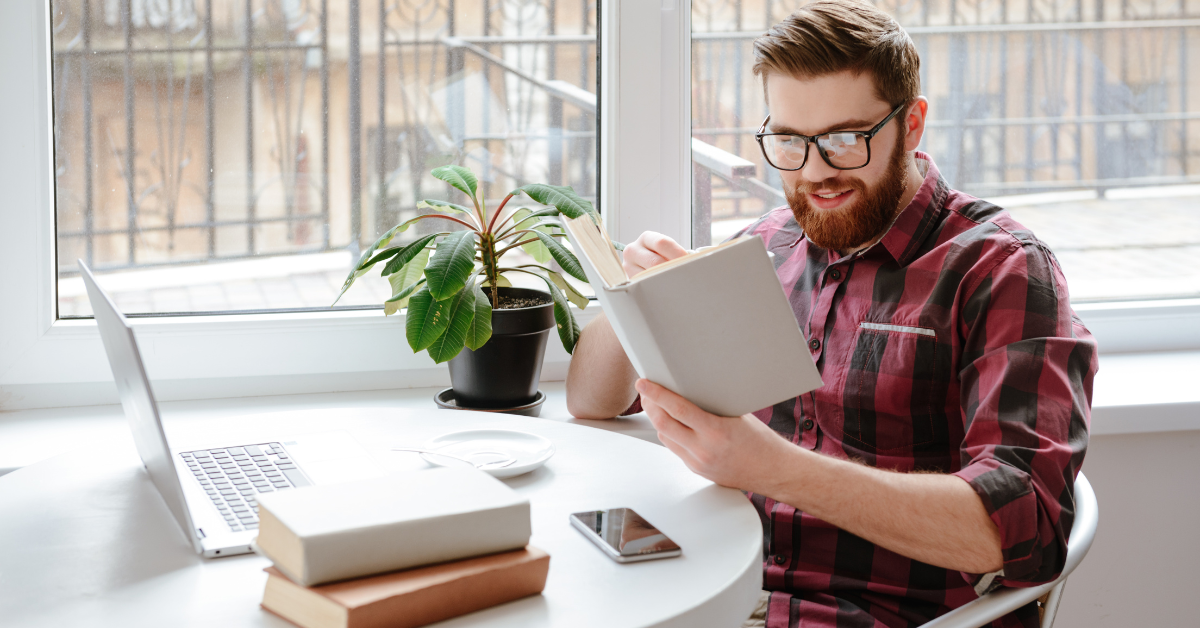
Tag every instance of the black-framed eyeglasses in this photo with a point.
(844, 150)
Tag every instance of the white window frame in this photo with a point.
(645, 180)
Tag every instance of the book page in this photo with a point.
(598, 249)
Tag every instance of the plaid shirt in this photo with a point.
(948, 346)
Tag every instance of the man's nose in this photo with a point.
(815, 169)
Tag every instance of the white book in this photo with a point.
(336, 532)
(714, 326)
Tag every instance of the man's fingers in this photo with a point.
(650, 249)
(664, 422)
(663, 245)
(681, 409)
(635, 260)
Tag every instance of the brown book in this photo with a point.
(413, 597)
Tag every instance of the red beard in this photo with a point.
(845, 228)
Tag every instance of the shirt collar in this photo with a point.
(919, 218)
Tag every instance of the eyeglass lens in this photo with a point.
(844, 150)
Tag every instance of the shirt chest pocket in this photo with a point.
(897, 381)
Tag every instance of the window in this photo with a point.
(539, 80)
(234, 155)
(643, 176)
(1080, 118)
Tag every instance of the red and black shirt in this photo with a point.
(948, 346)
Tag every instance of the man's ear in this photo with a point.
(914, 123)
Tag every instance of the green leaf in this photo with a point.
(385, 239)
(573, 295)
(459, 177)
(481, 326)
(406, 254)
(565, 258)
(460, 314)
(382, 255)
(526, 219)
(400, 299)
(451, 265)
(405, 282)
(354, 274)
(427, 319)
(568, 327)
(365, 261)
(436, 205)
(549, 211)
(562, 198)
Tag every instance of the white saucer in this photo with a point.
(530, 450)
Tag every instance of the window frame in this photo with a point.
(645, 179)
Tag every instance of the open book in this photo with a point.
(713, 326)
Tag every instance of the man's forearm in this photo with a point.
(934, 518)
(600, 378)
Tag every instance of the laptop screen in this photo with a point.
(133, 386)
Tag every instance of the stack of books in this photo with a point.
(397, 552)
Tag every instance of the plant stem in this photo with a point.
(499, 210)
(487, 246)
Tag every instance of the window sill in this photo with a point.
(211, 357)
(29, 436)
(1135, 394)
(1139, 393)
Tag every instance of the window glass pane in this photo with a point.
(238, 155)
(1083, 119)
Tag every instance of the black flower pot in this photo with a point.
(504, 372)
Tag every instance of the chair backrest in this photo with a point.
(1006, 600)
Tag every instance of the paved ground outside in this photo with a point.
(1130, 244)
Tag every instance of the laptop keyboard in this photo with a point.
(233, 477)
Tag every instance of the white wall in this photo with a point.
(1142, 569)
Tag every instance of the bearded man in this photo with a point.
(937, 460)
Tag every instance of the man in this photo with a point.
(937, 460)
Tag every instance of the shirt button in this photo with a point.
(814, 344)
(808, 424)
(835, 274)
(780, 559)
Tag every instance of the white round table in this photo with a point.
(85, 538)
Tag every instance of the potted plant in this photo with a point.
(453, 284)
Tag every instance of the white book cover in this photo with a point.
(341, 531)
(716, 328)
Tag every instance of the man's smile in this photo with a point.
(825, 199)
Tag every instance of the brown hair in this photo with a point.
(831, 36)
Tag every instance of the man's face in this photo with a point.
(839, 209)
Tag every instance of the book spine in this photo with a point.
(405, 544)
(454, 598)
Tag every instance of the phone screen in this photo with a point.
(624, 535)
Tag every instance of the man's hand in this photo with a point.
(650, 249)
(930, 517)
(732, 451)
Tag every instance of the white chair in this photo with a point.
(1006, 600)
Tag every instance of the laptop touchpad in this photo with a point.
(333, 457)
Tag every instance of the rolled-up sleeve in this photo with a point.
(1026, 371)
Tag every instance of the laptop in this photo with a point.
(212, 490)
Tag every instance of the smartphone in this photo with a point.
(624, 535)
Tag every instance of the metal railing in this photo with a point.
(227, 98)
(233, 128)
(1025, 96)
